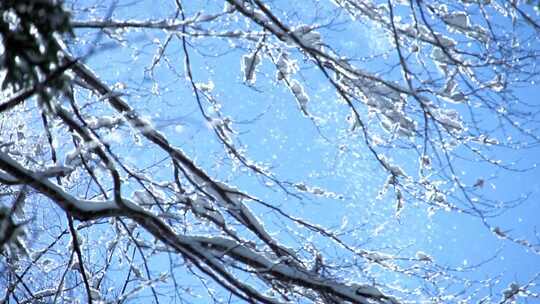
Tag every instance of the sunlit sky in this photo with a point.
(268, 122)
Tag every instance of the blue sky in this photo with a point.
(278, 135)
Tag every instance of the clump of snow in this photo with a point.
(457, 19)
(512, 290)
(397, 121)
(394, 169)
(367, 290)
(457, 97)
(315, 190)
(307, 36)
(205, 87)
(438, 55)
(449, 119)
(104, 122)
(250, 62)
(376, 256)
(299, 93)
(285, 66)
(422, 256)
